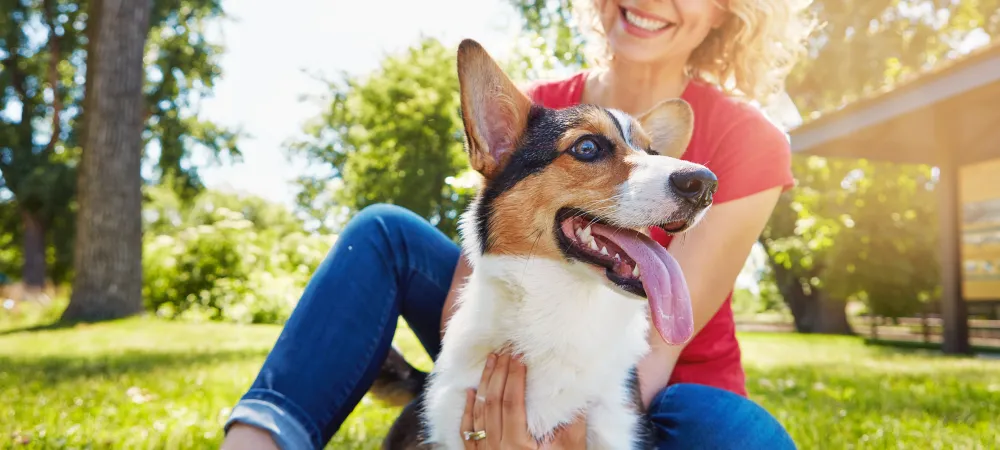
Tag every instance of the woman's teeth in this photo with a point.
(644, 23)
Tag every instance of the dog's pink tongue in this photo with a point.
(666, 290)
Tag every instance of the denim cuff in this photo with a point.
(270, 411)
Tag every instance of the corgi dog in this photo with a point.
(564, 273)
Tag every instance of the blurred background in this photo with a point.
(868, 313)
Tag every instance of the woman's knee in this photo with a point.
(698, 416)
(379, 214)
(381, 220)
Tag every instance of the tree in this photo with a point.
(108, 253)
(393, 136)
(40, 140)
(853, 230)
(885, 258)
(868, 46)
(35, 166)
(184, 69)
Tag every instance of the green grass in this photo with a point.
(143, 383)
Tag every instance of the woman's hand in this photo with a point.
(496, 407)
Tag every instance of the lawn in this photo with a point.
(144, 383)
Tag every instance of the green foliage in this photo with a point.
(11, 257)
(767, 300)
(394, 136)
(37, 94)
(225, 257)
(183, 69)
(859, 230)
(178, 382)
(551, 34)
(866, 46)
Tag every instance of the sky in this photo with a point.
(268, 48)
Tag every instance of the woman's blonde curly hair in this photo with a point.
(748, 56)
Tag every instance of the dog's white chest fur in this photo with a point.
(579, 340)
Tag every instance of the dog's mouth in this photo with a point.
(634, 263)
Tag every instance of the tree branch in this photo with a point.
(54, 58)
(16, 77)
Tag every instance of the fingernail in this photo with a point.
(491, 360)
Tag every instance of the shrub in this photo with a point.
(221, 265)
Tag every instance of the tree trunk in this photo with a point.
(33, 272)
(813, 311)
(831, 315)
(108, 249)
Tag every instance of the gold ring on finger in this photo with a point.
(474, 435)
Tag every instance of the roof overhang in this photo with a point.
(952, 113)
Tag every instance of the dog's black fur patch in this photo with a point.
(645, 435)
(408, 431)
(536, 150)
(400, 384)
(614, 120)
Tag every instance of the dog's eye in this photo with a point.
(586, 149)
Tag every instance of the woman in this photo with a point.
(389, 262)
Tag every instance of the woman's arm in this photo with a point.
(711, 255)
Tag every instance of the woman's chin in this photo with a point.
(631, 49)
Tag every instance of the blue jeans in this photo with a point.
(390, 262)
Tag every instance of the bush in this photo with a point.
(766, 302)
(224, 265)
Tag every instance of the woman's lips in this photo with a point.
(644, 25)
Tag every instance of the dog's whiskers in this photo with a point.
(531, 252)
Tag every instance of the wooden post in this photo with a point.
(955, 336)
(925, 327)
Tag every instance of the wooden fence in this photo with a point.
(918, 330)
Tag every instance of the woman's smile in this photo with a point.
(642, 24)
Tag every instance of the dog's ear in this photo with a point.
(670, 125)
(494, 110)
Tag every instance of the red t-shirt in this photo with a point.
(748, 154)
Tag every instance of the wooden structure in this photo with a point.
(949, 118)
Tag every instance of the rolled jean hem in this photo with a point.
(272, 412)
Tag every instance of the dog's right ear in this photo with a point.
(670, 125)
(494, 110)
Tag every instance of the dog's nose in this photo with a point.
(697, 186)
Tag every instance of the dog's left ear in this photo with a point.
(670, 125)
(494, 110)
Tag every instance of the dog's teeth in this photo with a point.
(593, 245)
(635, 271)
(617, 257)
(586, 232)
(578, 232)
(604, 251)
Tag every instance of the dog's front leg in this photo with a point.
(443, 416)
(612, 426)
